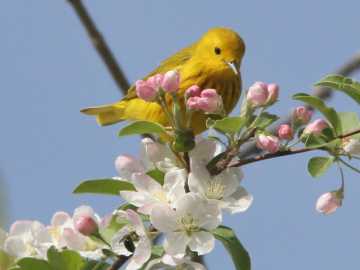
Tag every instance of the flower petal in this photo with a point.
(144, 183)
(239, 201)
(141, 255)
(175, 243)
(20, 227)
(202, 242)
(174, 183)
(60, 219)
(15, 246)
(163, 218)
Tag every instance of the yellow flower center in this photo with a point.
(215, 189)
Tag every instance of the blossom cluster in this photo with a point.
(185, 208)
(173, 190)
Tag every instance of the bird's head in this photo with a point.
(223, 47)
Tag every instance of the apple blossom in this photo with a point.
(268, 143)
(65, 235)
(142, 242)
(193, 91)
(209, 101)
(329, 202)
(82, 212)
(302, 115)
(126, 165)
(187, 224)
(223, 189)
(316, 127)
(155, 81)
(171, 81)
(149, 192)
(285, 132)
(273, 93)
(27, 239)
(258, 94)
(145, 91)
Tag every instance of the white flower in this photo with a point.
(188, 225)
(142, 251)
(64, 234)
(27, 239)
(159, 156)
(149, 192)
(352, 146)
(223, 189)
(154, 155)
(168, 262)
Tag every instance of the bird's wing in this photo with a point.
(173, 62)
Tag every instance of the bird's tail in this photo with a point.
(107, 114)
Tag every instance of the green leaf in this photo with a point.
(349, 122)
(141, 127)
(106, 186)
(157, 175)
(231, 124)
(65, 260)
(317, 166)
(329, 113)
(32, 264)
(5, 260)
(264, 120)
(239, 255)
(95, 265)
(343, 84)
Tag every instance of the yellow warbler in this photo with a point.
(211, 62)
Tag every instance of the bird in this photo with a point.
(213, 61)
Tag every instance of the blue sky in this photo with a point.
(49, 71)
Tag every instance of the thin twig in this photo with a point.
(101, 46)
(289, 152)
(349, 67)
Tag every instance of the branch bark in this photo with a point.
(101, 46)
(286, 152)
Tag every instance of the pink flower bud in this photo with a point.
(145, 91)
(209, 101)
(193, 91)
(273, 91)
(285, 132)
(155, 81)
(126, 165)
(258, 94)
(171, 81)
(316, 127)
(268, 143)
(302, 115)
(86, 225)
(328, 202)
(192, 103)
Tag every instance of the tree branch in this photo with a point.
(286, 152)
(349, 67)
(101, 46)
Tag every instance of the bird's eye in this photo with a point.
(217, 50)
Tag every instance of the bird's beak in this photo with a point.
(234, 66)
